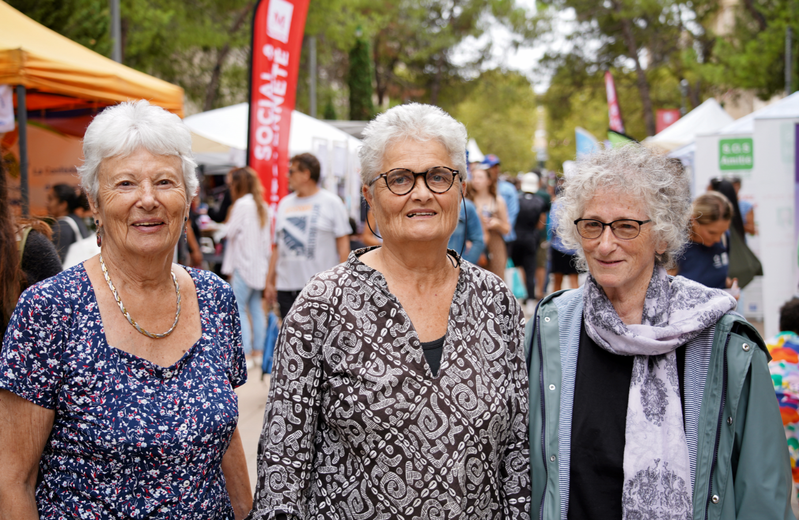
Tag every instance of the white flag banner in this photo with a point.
(6, 109)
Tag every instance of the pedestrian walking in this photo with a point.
(312, 232)
(399, 386)
(666, 398)
(528, 226)
(247, 255)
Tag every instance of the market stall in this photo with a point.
(57, 86)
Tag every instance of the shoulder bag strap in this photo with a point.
(22, 241)
(74, 227)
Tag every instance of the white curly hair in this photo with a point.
(659, 181)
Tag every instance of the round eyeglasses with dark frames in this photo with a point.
(623, 229)
(400, 181)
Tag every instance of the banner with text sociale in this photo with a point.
(277, 31)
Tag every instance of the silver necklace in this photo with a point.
(127, 314)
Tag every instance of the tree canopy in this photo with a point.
(650, 46)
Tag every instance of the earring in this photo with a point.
(99, 235)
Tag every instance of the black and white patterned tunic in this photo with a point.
(356, 426)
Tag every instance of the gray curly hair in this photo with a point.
(412, 121)
(659, 181)
(122, 129)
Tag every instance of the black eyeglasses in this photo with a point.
(624, 229)
(400, 181)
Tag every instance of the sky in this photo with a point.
(524, 58)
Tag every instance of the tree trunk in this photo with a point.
(212, 89)
(643, 84)
(435, 89)
(380, 87)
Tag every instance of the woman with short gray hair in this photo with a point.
(399, 386)
(126, 410)
(649, 398)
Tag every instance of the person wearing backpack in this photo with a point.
(62, 202)
(26, 254)
(528, 224)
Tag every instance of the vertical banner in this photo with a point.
(277, 30)
(614, 112)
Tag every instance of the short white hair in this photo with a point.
(656, 180)
(122, 129)
(412, 121)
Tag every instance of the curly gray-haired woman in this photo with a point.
(399, 387)
(117, 375)
(648, 397)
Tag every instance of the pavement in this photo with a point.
(252, 399)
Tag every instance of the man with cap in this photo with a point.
(528, 224)
(509, 194)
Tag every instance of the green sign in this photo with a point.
(736, 154)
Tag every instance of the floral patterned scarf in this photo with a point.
(657, 473)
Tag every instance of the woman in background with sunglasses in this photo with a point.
(399, 388)
(648, 399)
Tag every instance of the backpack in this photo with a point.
(530, 208)
(81, 249)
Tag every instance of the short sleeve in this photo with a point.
(237, 361)
(31, 360)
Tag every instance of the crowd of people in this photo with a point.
(408, 380)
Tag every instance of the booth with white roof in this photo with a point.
(761, 149)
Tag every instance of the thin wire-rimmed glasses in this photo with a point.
(623, 229)
(400, 181)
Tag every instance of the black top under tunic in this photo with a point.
(432, 353)
(599, 417)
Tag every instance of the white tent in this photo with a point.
(475, 155)
(760, 149)
(706, 118)
(222, 143)
(228, 126)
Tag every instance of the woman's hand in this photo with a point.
(24, 429)
(733, 289)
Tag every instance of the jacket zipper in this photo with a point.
(718, 429)
(543, 413)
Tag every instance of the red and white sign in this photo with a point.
(665, 118)
(278, 27)
(614, 112)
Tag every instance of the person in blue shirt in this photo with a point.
(469, 231)
(507, 191)
(706, 257)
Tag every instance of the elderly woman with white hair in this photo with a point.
(649, 398)
(399, 387)
(117, 375)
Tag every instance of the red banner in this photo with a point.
(665, 118)
(614, 112)
(277, 30)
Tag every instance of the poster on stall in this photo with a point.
(277, 31)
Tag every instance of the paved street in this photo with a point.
(252, 398)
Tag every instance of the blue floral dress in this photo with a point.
(130, 439)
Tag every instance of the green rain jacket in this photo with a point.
(742, 468)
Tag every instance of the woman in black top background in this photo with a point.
(38, 261)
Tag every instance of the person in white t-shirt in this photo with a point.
(247, 255)
(311, 234)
